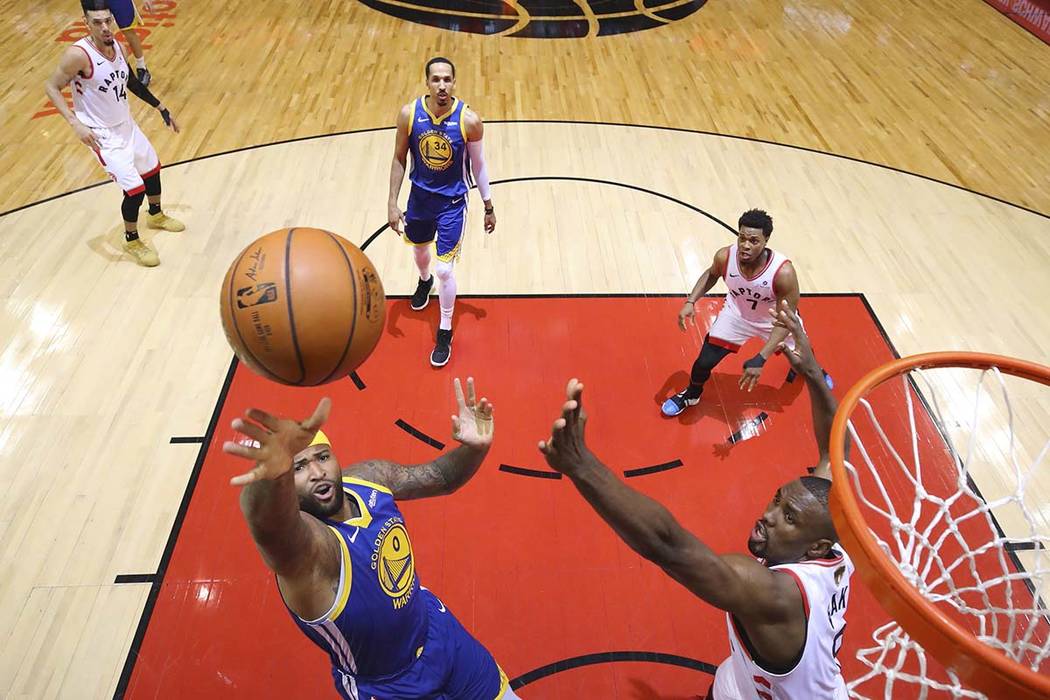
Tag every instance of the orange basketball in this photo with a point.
(302, 306)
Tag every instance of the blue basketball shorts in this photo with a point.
(433, 216)
(124, 13)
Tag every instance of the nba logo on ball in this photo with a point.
(302, 306)
(259, 294)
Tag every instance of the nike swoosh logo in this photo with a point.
(732, 275)
(99, 63)
(442, 605)
(354, 536)
(421, 119)
(457, 200)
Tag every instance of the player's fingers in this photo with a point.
(246, 478)
(238, 450)
(320, 414)
(457, 387)
(250, 429)
(556, 430)
(455, 426)
(260, 416)
(472, 397)
(577, 390)
(568, 411)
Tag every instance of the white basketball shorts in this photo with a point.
(730, 331)
(127, 155)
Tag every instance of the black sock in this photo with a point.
(154, 208)
(130, 236)
(693, 391)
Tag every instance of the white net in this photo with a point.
(978, 555)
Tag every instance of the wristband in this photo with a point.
(166, 116)
(756, 361)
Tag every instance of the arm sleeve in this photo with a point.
(141, 91)
(477, 165)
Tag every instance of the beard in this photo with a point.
(756, 547)
(321, 511)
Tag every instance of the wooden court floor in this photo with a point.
(937, 214)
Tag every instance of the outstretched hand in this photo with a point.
(474, 426)
(276, 441)
(566, 449)
(801, 356)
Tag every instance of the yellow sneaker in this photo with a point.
(143, 254)
(165, 222)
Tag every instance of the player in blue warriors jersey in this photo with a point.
(444, 137)
(127, 17)
(344, 562)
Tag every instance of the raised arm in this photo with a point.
(822, 402)
(703, 285)
(473, 427)
(475, 131)
(298, 548)
(785, 289)
(734, 583)
(398, 165)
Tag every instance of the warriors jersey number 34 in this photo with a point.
(440, 163)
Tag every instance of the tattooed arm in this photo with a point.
(438, 478)
(473, 428)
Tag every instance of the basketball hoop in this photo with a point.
(929, 544)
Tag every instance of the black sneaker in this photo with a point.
(442, 349)
(144, 76)
(422, 296)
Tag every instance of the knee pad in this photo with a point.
(129, 208)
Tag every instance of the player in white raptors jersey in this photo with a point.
(101, 119)
(757, 278)
(786, 603)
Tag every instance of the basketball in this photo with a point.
(302, 306)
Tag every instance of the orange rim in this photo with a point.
(978, 665)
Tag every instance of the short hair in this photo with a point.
(438, 59)
(94, 5)
(820, 488)
(757, 218)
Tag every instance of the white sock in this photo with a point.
(422, 253)
(446, 293)
(140, 62)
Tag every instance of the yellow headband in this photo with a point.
(320, 439)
